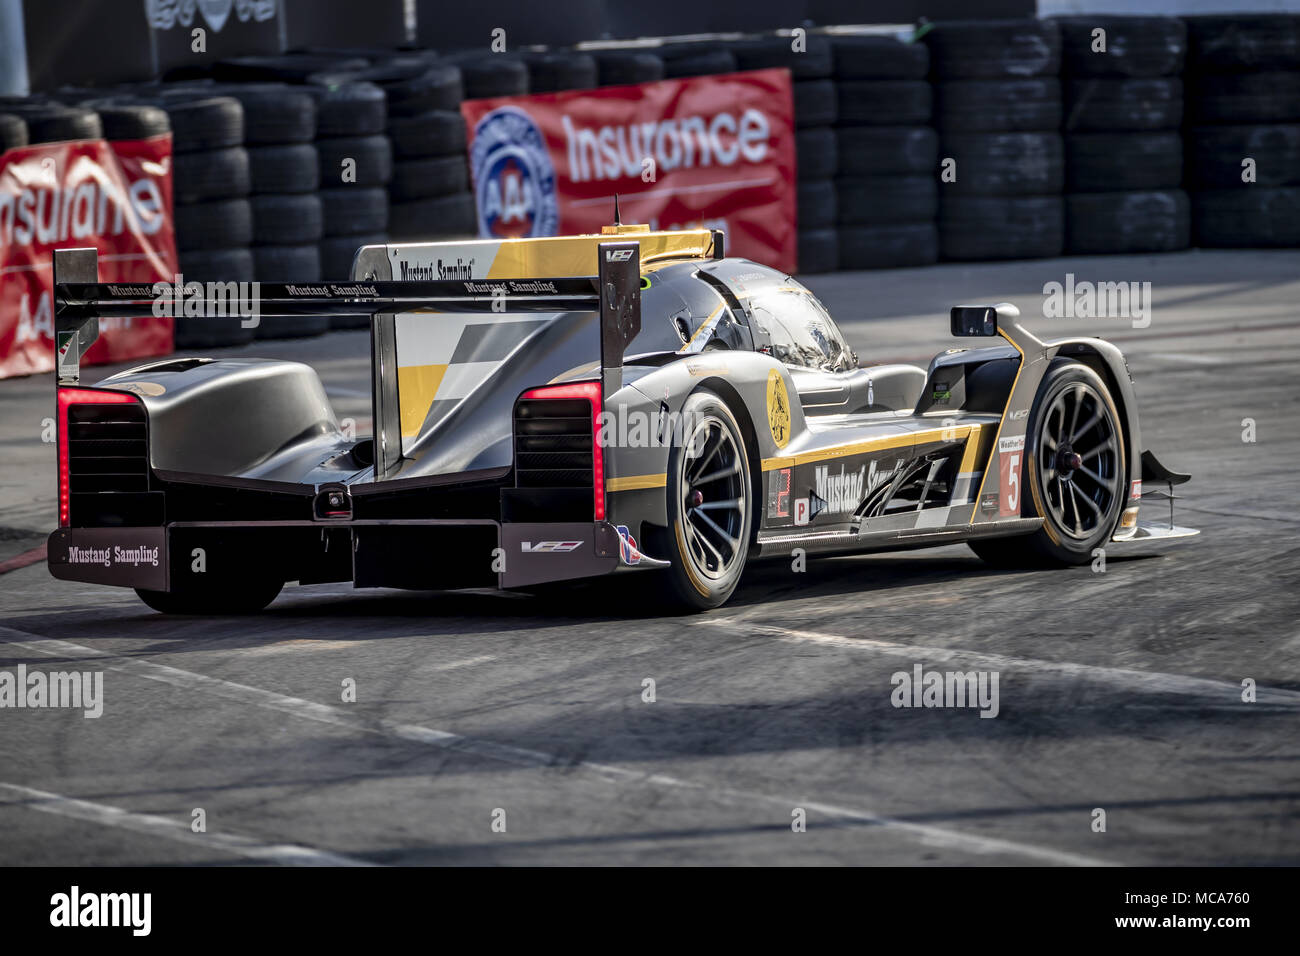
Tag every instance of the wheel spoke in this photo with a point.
(734, 503)
(1078, 433)
(706, 453)
(1107, 483)
(1074, 500)
(732, 469)
(1090, 503)
(703, 540)
(1078, 405)
(731, 540)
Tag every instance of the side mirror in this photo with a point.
(973, 320)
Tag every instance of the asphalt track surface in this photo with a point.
(1119, 690)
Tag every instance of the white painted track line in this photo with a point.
(1210, 693)
(338, 716)
(283, 854)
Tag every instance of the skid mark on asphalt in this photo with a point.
(283, 854)
(926, 834)
(1210, 693)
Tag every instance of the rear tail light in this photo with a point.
(67, 399)
(540, 441)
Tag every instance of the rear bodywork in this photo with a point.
(519, 435)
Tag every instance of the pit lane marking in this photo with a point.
(926, 834)
(1155, 682)
(284, 854)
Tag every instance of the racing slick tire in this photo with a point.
(710, 522)
(1075, 469)
(217, 597)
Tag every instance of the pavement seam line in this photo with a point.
(324, 713)
(284, 854)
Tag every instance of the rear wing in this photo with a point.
(613, 290)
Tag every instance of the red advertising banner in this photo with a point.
(711, 151)
(116, 197)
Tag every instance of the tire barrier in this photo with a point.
(1080, 134)
(1123, 142)
(998, 112)
(887, 153)
(1243, 128)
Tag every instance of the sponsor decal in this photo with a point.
(1135, 490)
(115, 197)
(989, 503)
(778, 409)
(514, 178)
(549, 547)
(1018, 414)
(801, 511)
(840, 493)
(778, 493)
(113, 556)
(702, 152)
(1006, 445)
(942, 393)
(438, 269)
(627, 546)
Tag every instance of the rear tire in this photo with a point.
(710, 521)
(1076, 471)
(214, 599)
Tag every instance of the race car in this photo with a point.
(553, 409)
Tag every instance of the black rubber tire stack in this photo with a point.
(284, 175)
(627, 67)
(1123, 144)
(353, 215)
(695, 59)
(1243, 102)
(427, 186)
(815, 147)
(885, 191)
(997, 109)
(554, 71)
(211, 183)
(47, 121)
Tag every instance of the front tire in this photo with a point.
(1076, 471)
(710, 514)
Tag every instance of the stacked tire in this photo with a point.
(998, 109)
(555, 71)
(695, 59)
(426, 181)
(1123, 142)
(284, 176)
(211, 184)
(349, 114)
(1243, 129)
(811, 70)
(885, 187)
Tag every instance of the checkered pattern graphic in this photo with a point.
(443, 357)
